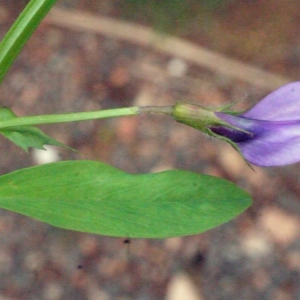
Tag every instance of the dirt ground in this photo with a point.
(68, 68)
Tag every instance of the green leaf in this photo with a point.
(94, 197)
(26, 136)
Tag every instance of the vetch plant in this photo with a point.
(94, 197)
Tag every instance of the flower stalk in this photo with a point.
(69, 117)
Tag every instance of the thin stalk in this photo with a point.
(167, 110)
(69, 117)
(83, 116)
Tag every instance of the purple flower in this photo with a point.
(266, 135)
(272, 126)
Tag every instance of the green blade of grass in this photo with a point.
(20, 32)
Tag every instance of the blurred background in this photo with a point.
(84, 57)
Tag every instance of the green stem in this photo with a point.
(167, 110)
(21, 31)
(70, 117)
(84, 116)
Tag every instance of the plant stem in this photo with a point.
(83, 116)
(168, 110)
(69, 117)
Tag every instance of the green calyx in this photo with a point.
(197, 117)
(204, 119)
(194, 116)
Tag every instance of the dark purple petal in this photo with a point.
(281, 105)
(271, 144)
(234, 135)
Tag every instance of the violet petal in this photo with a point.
(281, 105)
(272, 144)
